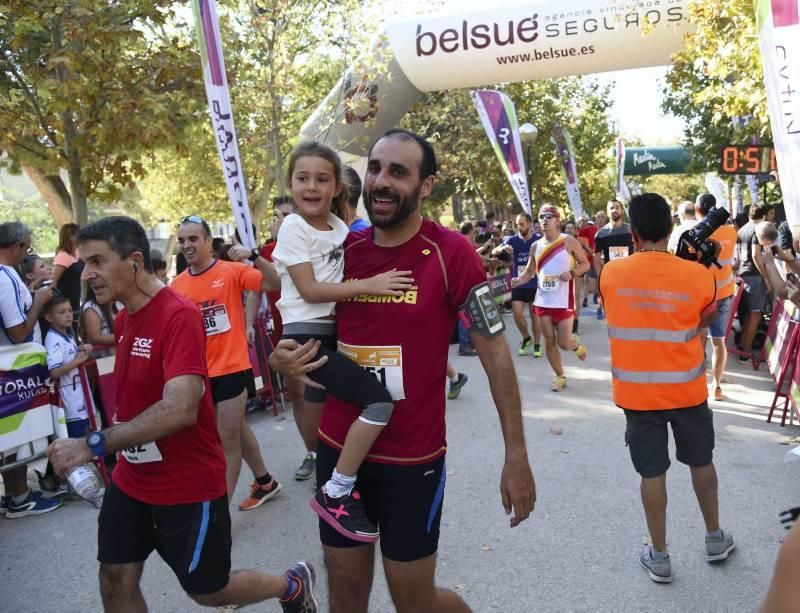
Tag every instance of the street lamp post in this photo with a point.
(528, 133)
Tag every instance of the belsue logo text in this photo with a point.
(526, 30)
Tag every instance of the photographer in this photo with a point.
(780, 265)
(656, 304)
(726, 236)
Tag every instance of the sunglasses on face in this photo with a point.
(545, 217)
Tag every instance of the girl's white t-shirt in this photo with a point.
(298, 242)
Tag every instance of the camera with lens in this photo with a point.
(698, 239)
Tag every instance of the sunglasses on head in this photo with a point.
(192, 219)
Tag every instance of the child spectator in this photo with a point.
(63, 358)
(34, 271)
(97, 325)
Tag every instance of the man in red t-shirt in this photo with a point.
(586, 233)
(168, 491)
(404, 342)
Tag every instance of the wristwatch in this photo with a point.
(254, 255)
(96, 441)
(572, 272)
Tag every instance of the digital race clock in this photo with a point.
(747, 160)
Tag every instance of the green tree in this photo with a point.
(717, 79)
(88, 87)
(469, 167)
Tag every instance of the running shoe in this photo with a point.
(467, 350)
(455, 387)
(307, 468)
(600, 314)
(259, 494)
(346, 515)
(525, 346)
(585, 303)
(537, 351)
(718, 394)
(594, 298)
(302, 601)
(659, 571)
(559, 383)
(718, 548)
(744, 357)
(580, 350)
(34, 504)
(60, 493)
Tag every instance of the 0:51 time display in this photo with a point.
(747, 160)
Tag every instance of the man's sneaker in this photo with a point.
(559, 383)
(307, 468)
(718, 395)
(259, 494)
(346, 515)
(594, 298)
(659, 571)
(455, 387)
(600, 314)
(525, 346)
(34, 504)
(537, 351)
(467, 350)
(580, 350)
(719, 547)
(744, 357)
(302, 601)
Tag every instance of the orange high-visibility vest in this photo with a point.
(724, 278)
(653, 304)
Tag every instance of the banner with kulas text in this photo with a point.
(565, 153)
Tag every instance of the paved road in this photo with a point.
(578, 552)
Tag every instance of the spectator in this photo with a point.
(19, 323)
(353, 183)
(469, 231)
(97, 325)
(491, 217)
(780, 265)
(35, 271)
(688, 221)
(753, 275)
(67, 267)
(63, 358)
(219, 248)
(587, 230)
(159, 266)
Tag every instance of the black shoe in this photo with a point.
(346, 515)
(302, 601)
(744, 357)
(467, 350)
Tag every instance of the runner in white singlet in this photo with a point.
(556, 259)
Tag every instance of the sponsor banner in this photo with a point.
(219, 105)
(23, 378)
(779, 336)
(719, 189)
(566, 153)
(500, 285)
(496, 44)
(779, 39)
(656, 160)
(499, 119)
(623, 193)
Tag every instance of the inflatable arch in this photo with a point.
(535, 40)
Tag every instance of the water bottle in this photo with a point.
(85, 481)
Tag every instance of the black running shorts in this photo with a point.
(647, 438)
(523, 294)
(229, 386)
(405, 502)
(193, 539)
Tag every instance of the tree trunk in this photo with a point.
(54, 192)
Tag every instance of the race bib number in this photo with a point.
(383, 363)
(549, 283)
(216, 320)
(617, 253)
(142, 454)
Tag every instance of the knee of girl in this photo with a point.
(377, 413)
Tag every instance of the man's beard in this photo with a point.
(404, 207)
(616, 216)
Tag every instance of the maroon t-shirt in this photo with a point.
(404, 340)
(161, 341)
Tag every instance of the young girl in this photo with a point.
(309, 258)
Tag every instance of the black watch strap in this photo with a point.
(254, 255)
